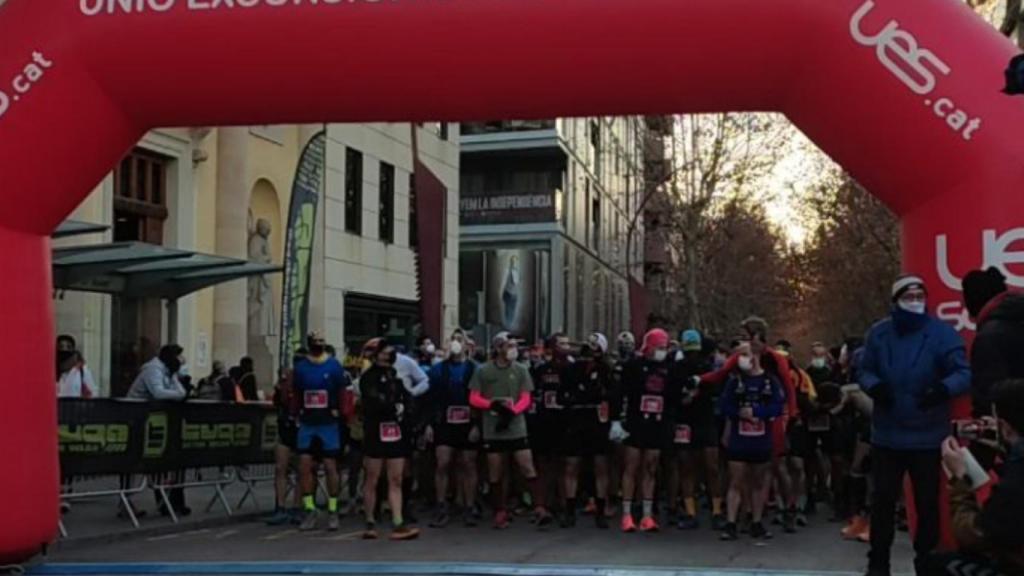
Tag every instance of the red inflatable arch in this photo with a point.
(906, 99)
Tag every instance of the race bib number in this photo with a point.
(458, 414)
(652, 404)
(684, 435)
(551, 400)
(752, 428)
(390, 432)
(315, 399)
(819, 423)
(603, 413)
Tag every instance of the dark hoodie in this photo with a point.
(998, 351)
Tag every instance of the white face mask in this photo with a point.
(746, 363)
(430, 349)
(512, 354)
(660, 355)
(914, 307)
(455, 348)
(818, 362)
(436, 361)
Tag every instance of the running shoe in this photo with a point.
(758, 531)
(280, 517)
(309, 521)
(730, 532)
(370, 533)
(628, 524)
(333, 522)
(501, 521)
(648, 524)
(405, 532)
(687, 522)
(441, 519)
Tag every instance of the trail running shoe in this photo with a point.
(501, 520)
(280, 517)
(628, 524)
(758, 531)
(648, 524)
(309, 521)
(405, 532)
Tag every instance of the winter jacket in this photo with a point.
(992, 530)
(910, 363)
(998, 350)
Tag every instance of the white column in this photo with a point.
(230, 306)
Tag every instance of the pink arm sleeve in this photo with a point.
(523, 404)
(722, 374)
(477, 400)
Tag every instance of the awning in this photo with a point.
(137, 269)
(76, 228)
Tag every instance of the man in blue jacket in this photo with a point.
(913, 366)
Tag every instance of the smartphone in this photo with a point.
(976, 430)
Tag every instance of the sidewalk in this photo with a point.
(96, 521)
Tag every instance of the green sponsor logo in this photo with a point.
(157, 434)
(223, 435)
(93, 438)
(268, 439)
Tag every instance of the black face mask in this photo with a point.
(316, 350)
(173, 365)
(64, 355)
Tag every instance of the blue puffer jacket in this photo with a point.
(910, 361)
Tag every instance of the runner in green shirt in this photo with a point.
(501, 389)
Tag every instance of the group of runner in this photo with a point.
(560, 428)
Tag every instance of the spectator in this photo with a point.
(989, 537)
(913, 365)
(74, 380)
(247, 380)
(217, 386)
(996, 353)
(158, 378)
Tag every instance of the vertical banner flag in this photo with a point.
(298, 249)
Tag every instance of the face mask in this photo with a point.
(818, 362)
(64, 355)
(436, 361)
(660, 355)
(316, 350)
(625, 351)
(746, 363)
(455, 348)
(512, 354)
(913, 307)
(430, 349)
(174, 365)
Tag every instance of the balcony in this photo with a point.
(660, 125)
(476, 128)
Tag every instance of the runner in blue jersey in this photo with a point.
(320, 384)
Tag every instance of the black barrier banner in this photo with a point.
(103, 436)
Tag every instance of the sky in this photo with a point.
(789, 184)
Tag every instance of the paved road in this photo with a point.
(815, 550)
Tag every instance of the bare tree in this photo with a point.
(716, 158)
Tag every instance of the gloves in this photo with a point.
(505, 419)
(935, 395)
(882, 395)
(617, 432)
(501, 408)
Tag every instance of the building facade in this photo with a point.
(227, 192)
(546, 211)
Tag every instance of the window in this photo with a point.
(414, 229)
(387, 203)
(353, 191)
(595, 145)
(586, 208)
(595, 225)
